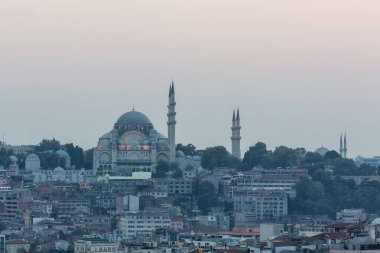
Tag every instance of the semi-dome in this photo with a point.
(106, 136)
(134, 143)
(376, 221)
(32, 157)
(322, 151)
(62, 153)
(59, 170)
(163, 143)
(133, 118)
(13, 159)
(180, 153)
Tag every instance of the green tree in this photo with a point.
(162, 168)
(76, 154)
(188, 150)
(255, 154)
(178, 174)
(49, 160)
(218, 156)
(331, 155)
(284, 157)
(311, 158)
(208, 197)
(88, 159)
(47, 145)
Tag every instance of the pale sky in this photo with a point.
(300, 71)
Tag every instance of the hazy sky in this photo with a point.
(300, 71)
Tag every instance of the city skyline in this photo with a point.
(299, 74)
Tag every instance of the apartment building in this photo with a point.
(263, 204)
(133, 223)
(174, 186)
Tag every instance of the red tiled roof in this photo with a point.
(231, 250)
(339, 235)
(243, 232)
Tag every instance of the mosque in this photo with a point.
(134, 145)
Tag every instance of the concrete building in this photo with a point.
(128, 203)
(89, 246)
(14, 246)
(267, 231)
(374, 161)
(268, 182)
(173, 186)
(2, 244)
(262, 204)
(133, 223)
(351, 215)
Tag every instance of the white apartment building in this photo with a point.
(133, 223)
(82, 246)
(267, 182)
(262, 204)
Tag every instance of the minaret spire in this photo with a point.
(171, 123)
(341, 145)
(345, 146)
(235, 138)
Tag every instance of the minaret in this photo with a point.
(345, 146)
(235, 138)
(341, 145)
(171, 123)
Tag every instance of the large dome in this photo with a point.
(133, 118)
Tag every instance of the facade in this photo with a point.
(173, 186)
(82, 246)
(70, 205)
(264, 205)
(235, 138)
(60, 174)
(270, 230)
(374, 161)
(18, 150)
(134, 144)
(32, 163)
(281, 179)
(133, 223)
(2, 243)
(15, 246)
(351, 215)
(9, 206)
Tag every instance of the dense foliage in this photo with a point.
(324, 194)
(218, 156)
(188, 150)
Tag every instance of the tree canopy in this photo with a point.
(218, 156)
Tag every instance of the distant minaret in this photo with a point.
(341, 145)
(171, 123)
(345, 146)
(235, 138)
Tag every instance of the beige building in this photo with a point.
(82, 246)
(133, 223)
